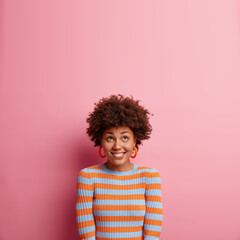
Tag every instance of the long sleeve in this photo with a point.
(154, 212)
(84, 204)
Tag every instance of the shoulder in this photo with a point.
(88, 170)
(148, 171)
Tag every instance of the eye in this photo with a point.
(125, 138)
(109, 139)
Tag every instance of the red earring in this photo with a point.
(135, 149)
(100, 154)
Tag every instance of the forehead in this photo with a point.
(117, 130)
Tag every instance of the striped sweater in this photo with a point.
(119, 205)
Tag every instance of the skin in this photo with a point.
(118, 140)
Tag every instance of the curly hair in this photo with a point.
(118, 110)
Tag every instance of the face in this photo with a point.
(118, 145)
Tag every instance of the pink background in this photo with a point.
(180, 58)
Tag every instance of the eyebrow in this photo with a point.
(120, 133)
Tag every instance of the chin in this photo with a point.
(117, 162)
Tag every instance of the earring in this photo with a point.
(135, 149)
(100, 154)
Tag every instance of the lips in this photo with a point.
(118, 155)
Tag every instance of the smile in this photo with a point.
(118, 154)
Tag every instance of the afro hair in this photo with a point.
(118, 110)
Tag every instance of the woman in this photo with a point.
(119, 199)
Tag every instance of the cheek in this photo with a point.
(106, 146)
(129, 147)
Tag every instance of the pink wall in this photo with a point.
(181, 58)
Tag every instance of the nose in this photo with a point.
(117, 145)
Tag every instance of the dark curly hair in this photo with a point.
(118, 110)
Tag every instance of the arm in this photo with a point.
(154, 212)
(84, 203)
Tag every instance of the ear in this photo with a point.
(135, 141)
(100, 140)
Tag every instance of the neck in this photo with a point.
(128, 166)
